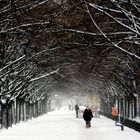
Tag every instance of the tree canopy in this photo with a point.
(49, 44)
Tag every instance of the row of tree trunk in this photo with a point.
(128, 108)
(18, 110)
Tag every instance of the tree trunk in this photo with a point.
(4, 116)
(17, 112)
(13, 113)
(24, 111)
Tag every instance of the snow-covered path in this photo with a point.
(64, 126)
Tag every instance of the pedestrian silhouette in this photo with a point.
(77, 110)
(114, 111)
(87, 115)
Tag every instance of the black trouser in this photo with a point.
(76, 113)
(88, 124)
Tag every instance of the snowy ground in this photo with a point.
(64, 126)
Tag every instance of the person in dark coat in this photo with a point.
(77, 110)
(87, 115)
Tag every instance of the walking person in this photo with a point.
(77, 110)
(114, 111)
(87, 115)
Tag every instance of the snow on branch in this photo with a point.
(38, 4)
(129, 15)
(109, 40)
(123, 83)
(33, 93)
(43, 76)
(117, 21)
(24, 25)
(97, 34)
(17, 60)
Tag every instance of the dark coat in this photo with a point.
(76, 107)
(87, 115)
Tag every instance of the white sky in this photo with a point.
(60, 125)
